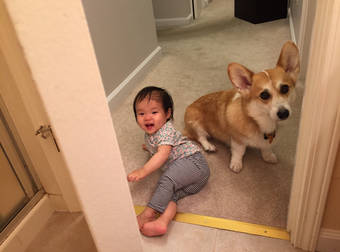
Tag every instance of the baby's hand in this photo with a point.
(136, 175)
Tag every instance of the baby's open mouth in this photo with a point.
(149, 126)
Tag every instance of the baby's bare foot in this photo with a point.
(145, 217)
(154, 228)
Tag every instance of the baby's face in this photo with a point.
(151, 115)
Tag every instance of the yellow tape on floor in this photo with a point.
(226, 224)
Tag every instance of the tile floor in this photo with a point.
(69, 233)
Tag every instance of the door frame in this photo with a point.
(319, 132)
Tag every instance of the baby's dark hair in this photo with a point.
(155, 93)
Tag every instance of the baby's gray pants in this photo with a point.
(183, 177)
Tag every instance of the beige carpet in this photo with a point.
(194, 62)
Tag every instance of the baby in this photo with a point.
(185, 168)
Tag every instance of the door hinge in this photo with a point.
(45, 131)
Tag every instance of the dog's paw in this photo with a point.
(235, 166)
(209, 147)
(269, 157)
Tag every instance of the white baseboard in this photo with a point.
(329, 241)
(291, 26)
(123, 90)
(167, 22)
(29, 227)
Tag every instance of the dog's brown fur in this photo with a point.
(241, 116)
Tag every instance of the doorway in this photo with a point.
(194, 63)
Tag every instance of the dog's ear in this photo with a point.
(240, 76)
(289, 59)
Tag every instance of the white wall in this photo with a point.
(303, 15)
(296, 13)
(123, 33)
(167, 9)
(170, 13)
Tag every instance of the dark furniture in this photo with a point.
(259, 11)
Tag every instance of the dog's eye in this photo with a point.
(284, 89)
(265, 95)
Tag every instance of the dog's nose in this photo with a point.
(283, 113)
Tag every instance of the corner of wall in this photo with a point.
(123, 90)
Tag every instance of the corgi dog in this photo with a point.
(248, 114)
